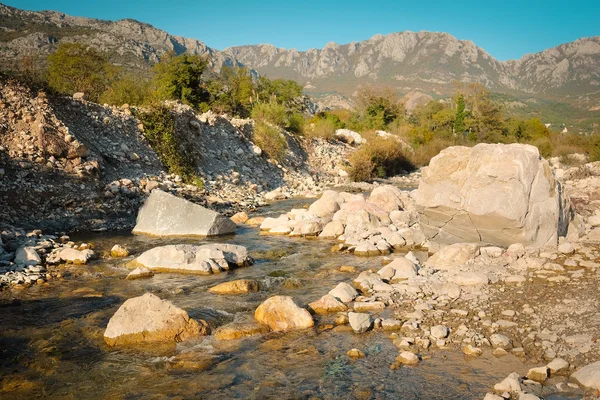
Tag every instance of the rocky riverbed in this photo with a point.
(479, 283)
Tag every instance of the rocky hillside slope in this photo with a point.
(129, 42)
(68, 163)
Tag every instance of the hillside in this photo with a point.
(430, 62)
(130, 43)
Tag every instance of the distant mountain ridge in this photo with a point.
(432, 61)
(425, 61)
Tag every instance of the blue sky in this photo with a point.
(506, 29)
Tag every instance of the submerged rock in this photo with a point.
(240, 286)
(139, 273)
(166, 215)
(70, 256)
(239, 329)
(280, 313)
(147, 318)
(119, 251)
(203, 260)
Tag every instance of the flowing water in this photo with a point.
(51, 343)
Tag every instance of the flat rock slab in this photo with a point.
(240, 286)
(588, 376)
(204, 260)
(164, 214)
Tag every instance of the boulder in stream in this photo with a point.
(280, 313)
(164, 214)
(147, 319)
(204, 260)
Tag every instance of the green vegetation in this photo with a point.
(78, 68)
(159, 129)
(127, 89)
(180, 78)
(379, 157)
(473, 115)
(270, 140)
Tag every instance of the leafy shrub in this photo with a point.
(322, 128)
(595, 148)
(421, 155)
(127, 90)
(379, 157)
(75, 67)
(296, 123)
(270, 140)
(180, 78)
(159, 129)
(544, 145)
(271, 112)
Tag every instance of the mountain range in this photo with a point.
(430, 62)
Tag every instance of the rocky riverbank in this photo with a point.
(496, 253)
(78, 164)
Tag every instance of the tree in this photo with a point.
(378, 107)
(127, 89)
(75, 67)
(180, 78)
(459, 119)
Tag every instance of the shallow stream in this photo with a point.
(51, 336)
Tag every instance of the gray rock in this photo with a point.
(360, 322)
(344, 292)
(27, 255)
(166, 215)
(203, 260)
(588, 376)
(439, 332)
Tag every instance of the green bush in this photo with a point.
(75, 67)
(322, 128)
(127, 90)
(379, 157)
(180, 78)
(270, 140)
(421, 155)
(159, 129)
(271, 112)
(296, 123)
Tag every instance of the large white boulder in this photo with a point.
(491, 193)
(388, 197)
(147, 318)
(327, 205)
(588, 376)
(203, 260)
(166, 215)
